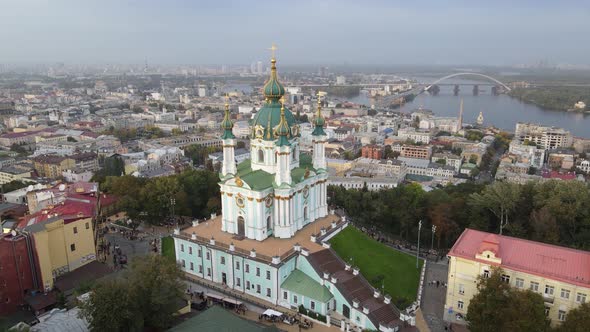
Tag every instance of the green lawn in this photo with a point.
(380, 265)
(168, 247)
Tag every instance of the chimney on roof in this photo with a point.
(355, 270)
(253, 253)
(365, 310)
(177, 231)
(312, 238)
(326, 275)
(376, 293)
(326, 245)
(333, 279)
(232, 247)
(355, 303)
(195, 222)
(212, 241)
(346, 267)
(194, 236)
(297, 247)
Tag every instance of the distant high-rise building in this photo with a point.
(543, 136)
(253, 68)
(323, 71)
(259, 68)
(202, 91)
(341, 80)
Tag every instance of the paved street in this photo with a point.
(433, 298)
(131, 248)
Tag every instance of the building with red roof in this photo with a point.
(561, 275)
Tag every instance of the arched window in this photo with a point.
(260, 156)
(268, 223)
(305, 213)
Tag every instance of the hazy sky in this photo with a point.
(494, 32)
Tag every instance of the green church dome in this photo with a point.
(267, 118)
(273, 89)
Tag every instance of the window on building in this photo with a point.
(547, 309)
(506, 278)
(565, 294)
(294, 298)
(87, 225)
(561, 315)
(208, 272)
(238, 266)
(460, 304)
(534, 286)
(268, 292)
(190, 250)
(519, 283)
(258, 289)
(75, 230)
(199, 253)
(222, 260)
(247, 268)
(201, 269)
(285, 295)
(208, 255)
(267, 275)
(247, 284)
(192, 266)
(549, 290)
(486, 273)
(183, 264)
(581, 298)
(312, 305)
(461, 289)
(238, 282)
(268, 223)
(260, 156)
(182, 247)
(258, 272)
(73, 247)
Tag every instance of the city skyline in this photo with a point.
(307, 33)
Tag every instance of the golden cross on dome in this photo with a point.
(226, 99)
(272, 49)
(282, 100)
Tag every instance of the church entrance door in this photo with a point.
(241, 226)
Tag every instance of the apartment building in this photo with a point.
(543, 136)
(561, 275)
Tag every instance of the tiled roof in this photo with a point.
(541, 259)
(355, 288)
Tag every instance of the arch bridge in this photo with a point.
(468, 74)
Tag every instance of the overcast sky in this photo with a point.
(495, 32)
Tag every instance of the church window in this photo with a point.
(260, 156)
(222, 260)
(267, 275)
(268, 223)
(305, 213)
(258, 272)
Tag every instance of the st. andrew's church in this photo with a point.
(271, 242)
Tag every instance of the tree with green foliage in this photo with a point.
(113, 306)
(498, 307)
(145, 297)
(500, 198)
(576, 320)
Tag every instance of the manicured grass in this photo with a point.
(381, 265)
(168, 247)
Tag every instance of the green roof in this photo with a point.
(269, 116)
(300, 283)
(261, 180)
(217, 319)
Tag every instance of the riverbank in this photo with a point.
(554, 98)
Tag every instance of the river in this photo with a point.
(501, 111)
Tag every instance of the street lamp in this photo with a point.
(432, 242)
(418, 251)
(172, 203)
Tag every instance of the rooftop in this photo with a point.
(541, 259)
(266, 249)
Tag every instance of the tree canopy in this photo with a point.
(146, 296)
(498, 307)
